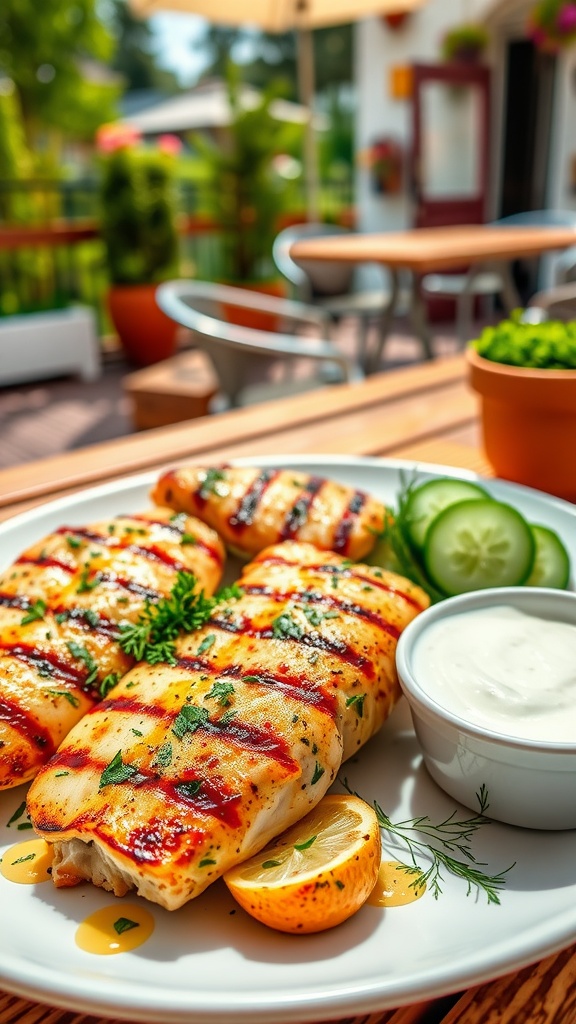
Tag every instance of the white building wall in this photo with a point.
(379, 49)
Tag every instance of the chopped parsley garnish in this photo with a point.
(124, 924)
(73, 542)
(189, 788)
(17, 814)
(36, 611)
(207, 643)
(188, 538)
(108, 683)
(205, 862)
(86, 584)
(357, 699)
(163, 755)
(285, 625)
(22, 860)
(70, 697)
(305, 845)
(117, 772)
(189, 719)
(318, 773)
(212, 483)
(221, 691)
(152, 638)
(271, 863)
(83, 655)
(227, 717)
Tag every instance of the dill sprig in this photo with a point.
(394, 536)
(153, 636)
(439, 843)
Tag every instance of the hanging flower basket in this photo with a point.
(465, 43)
(552, 25)
(385, 161)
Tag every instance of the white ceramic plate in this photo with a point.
(209, 963)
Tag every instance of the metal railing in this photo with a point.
(51, 253)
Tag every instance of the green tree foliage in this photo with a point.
(135, 58)
(273, 56)
(243, 192)
(44, 46)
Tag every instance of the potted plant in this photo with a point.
(246, 195)
(385, 161)
(552, 24)
(465, 43)
(526, 376)
(138, 225)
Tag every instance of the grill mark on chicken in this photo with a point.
(153, 551)
(125, 584)
(242, 733)
(348, 572)
(46, 562)
(298, 514)
(347, 522)
(83, 617)
(15, 601)
(26, 726)
(297, 687)
(338, 648)
(326, 600)
(248, 506)
(178, 527)
(87, 619)
(46, 662)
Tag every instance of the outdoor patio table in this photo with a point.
(421, 251)
(426, 413)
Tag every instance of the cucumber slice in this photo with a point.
(426, 501)
(476, 544)
(551, 562)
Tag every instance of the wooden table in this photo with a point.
(425, 413)
(432, 250)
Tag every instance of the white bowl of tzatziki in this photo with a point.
(490, 677)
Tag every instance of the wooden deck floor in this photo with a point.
(47, 417)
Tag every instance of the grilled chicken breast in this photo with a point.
(188, 769)
(61, 606)
(254, 508)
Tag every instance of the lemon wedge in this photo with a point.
(317, 873)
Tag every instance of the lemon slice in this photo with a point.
(317, 873)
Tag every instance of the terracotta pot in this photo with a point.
(146, 334)
(528, 423)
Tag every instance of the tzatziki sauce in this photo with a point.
(502, 669)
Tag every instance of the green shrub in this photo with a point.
(550, 345)
(137, 215)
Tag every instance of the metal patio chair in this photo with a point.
(330, 285)
(235, 350)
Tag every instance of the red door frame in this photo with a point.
(444, 211)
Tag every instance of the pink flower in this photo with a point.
(169, 144)
(111, 137)
(566, 19)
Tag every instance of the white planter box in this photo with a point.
(34, 346)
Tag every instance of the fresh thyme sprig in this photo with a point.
(152, 637)
(439, 843)
(395, 537)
